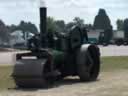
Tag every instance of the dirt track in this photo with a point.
(109, 84)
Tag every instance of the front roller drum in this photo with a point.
(30, 82)
(31, 73)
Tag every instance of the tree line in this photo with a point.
(6, 30)
(101, 21)
(123, 25)
(52, 26)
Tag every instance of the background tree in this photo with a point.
(120, 24)
(12, 28)
(78, 21)
(61, 26)
(102, 20)
(4, 31)
(126, 28)
(69, 25)
(27, 27)
(24, 26)
(89, 26)
(108, 33)
(31, 28)
(51, 25)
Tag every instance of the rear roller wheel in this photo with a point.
(89, 64)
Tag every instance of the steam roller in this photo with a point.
(42, 66)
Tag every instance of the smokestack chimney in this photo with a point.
(43, 23)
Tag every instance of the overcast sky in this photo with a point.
(13, 11)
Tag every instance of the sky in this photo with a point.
(13, 11)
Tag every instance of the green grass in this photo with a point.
(5, 77)
(114, 63)
(108, 64)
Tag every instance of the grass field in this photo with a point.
(108, 64)
(114, 63)
(5, 77)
